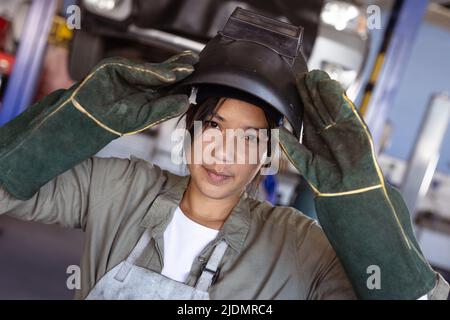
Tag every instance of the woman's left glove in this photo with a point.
(364, 218)
(118, 98)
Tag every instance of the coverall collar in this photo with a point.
(234, 230)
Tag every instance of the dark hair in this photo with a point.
(206, 109)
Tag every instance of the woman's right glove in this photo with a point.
(365, 219)
(66, 127)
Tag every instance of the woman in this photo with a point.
(151, 234)
(271, 252)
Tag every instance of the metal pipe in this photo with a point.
(165, 39)
(425, 156)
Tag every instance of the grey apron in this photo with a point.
(129, 281)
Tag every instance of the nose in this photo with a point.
(224, 150)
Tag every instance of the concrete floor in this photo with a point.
(34, 258)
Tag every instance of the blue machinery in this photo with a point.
(398, 41)
(25, 76)
(405, 20)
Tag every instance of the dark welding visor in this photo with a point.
(257, 56)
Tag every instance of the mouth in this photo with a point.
(216, 177)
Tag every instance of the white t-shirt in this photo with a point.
(184, 239)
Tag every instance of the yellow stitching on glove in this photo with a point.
(83, 110)
(154, 124)
(316, 191)
(345, 193)
(379, 173)
(378, 169)
(329, 126)
(183, 53)
(36, 127)
(79, 107)
(320, 194)
(104, 126)
(167, 79)
(129, 67)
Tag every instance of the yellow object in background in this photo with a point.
(60, 34)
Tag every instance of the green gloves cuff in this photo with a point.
(381, 261)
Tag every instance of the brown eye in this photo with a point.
(212, 124)
(251, 138)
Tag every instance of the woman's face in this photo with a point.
(230, 150)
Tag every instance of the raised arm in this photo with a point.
(364, 218)
(118, 98)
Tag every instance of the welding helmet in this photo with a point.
(255, 59)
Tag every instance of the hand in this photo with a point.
(126, 97)
(337, 154)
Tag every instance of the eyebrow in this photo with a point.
(218, 116)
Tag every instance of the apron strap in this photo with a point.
(210, 270)
(133, 256)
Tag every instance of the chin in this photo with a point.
(213, 192)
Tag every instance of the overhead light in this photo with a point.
(340, 14)
(107, 5)
(118, 10)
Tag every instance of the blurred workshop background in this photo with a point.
(392, 56)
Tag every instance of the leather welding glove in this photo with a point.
(66, 127)
(365, 219)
